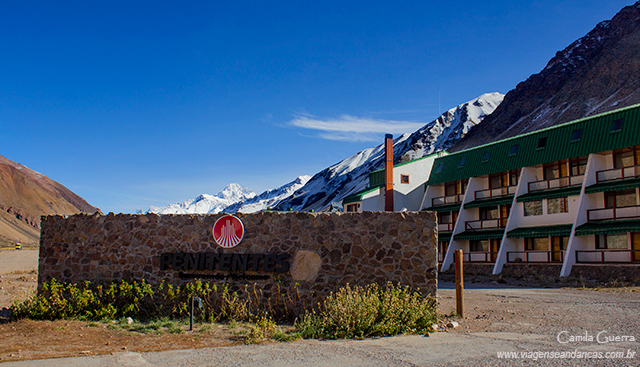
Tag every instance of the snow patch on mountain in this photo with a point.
(352, 174)
(232, 199)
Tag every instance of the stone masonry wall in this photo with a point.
(326, 250)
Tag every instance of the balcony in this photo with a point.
(535, 256)
(444, 200)
(494, 193)
(479, 257)
(607, 256)
(618, 174)
(445, 227)
(627, 212)
(556, 183)
(485, 224)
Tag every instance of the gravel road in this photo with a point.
(498, 319)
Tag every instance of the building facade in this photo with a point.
(565, 195)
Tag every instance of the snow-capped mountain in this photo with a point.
(269, 198)
(208, 204)
(234, 198)
(351, 174)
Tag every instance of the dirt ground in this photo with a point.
(489, 308)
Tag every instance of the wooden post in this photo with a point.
(459, 284)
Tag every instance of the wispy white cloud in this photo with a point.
(351, 128)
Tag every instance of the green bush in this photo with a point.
(352, 312)
(362, 312)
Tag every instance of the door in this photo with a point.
(495, 247)
(635, 245)
(558, 244)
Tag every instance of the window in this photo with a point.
(513, 177)
(620, 198)
(557, 205)
(404, 179)
(576, 135)
(479, 245)
(578, 166)
(514, 150)
(616, 125)
(536, 244)
(490, 212)
(495, 181)
(623, 159)
(616, 241)
(444, 217)
(352, 208)
(542, 142)
(486, 156)
(532, 208)
(439, 169)
(462, 160)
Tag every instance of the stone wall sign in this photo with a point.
(311, 253)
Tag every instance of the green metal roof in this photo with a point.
(483, 234)
(444, 236)
(443, 208)
(489, 202)
(613, 185)
(541, 231)
(376, 178)
(608, 226)
(596, 137)
(354, 198)
(549, 194)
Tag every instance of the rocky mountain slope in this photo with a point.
(597, 73)
(352, 174)
(25, 195)
(234, 198)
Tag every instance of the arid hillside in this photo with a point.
(25, 195)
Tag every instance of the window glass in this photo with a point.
(551, 172)
(624, 159)
(513, 177)
(495, 182)
(617, 241)
(490, 212)
(532, 208)
(537, 244)
(576, 135)
(542, 143)
(439, 169)
(486, 156)
(620, 198)
(557, 205)
(514, 149)
(450, 189)
(479, 245)
(462, 160)
(444, 217)
(578, 167)
(616, 125)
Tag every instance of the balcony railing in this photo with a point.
(618, 173)
(535, 256)
(450, 199)
(445, 227)
(607, 256)
(485, 224)
(555, 183)
(479, 256)
(494, 193)
(626, 212)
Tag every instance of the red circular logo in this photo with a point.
(228, 231)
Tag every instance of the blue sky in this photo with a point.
(138, 103)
